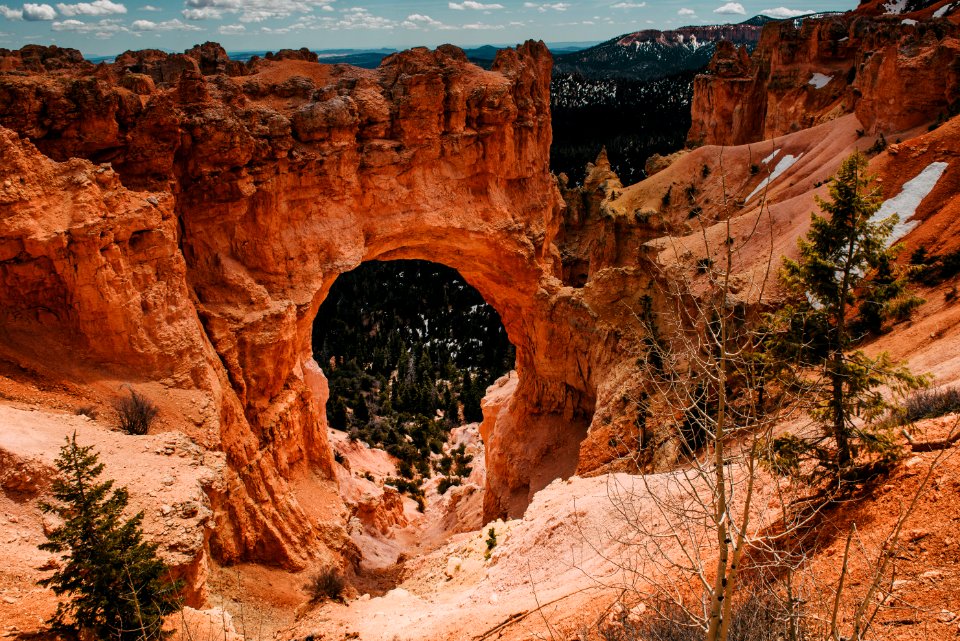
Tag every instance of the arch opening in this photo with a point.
(409, 349)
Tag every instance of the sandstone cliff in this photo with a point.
(893, 76)
(199, 255)
(176, 220)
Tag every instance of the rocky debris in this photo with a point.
(381, 510)
(23, 477)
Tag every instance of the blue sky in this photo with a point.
(111, 26)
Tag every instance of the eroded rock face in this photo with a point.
(200, 255)
(894, 76)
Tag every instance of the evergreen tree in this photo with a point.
(361, 411)
(338, 415)
(116, 584)
(832, 292)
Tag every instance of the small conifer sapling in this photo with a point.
(116, 587)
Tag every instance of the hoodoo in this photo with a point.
(893, 76)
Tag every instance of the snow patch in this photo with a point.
(814, 303)
(785, 163)
(909, 22)
(942, 11)
(819, 80)
(771, 156)
(906, 202)
(895, 7)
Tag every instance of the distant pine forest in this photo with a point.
(409, 349)
(633, 119)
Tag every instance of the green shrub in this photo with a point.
(930, 403)
(491, 542)
(665, 201)
(755, 619)
(447, 482)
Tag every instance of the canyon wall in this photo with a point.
(893, 76)
(216, 203)
(176, 220)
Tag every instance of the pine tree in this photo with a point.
(833, 292)
(361, 411)
(117, 587)
(337, 418)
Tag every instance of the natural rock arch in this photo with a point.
(263, 187)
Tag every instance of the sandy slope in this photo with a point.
(165, 474)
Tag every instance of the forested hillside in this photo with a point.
(633, 119)
(632, 95)
(409, 349)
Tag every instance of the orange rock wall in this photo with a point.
(263, 186)
(893, 76)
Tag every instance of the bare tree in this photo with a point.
(705, 375)
(691, 530)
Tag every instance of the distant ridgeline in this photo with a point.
(409, 348)
(632, 95)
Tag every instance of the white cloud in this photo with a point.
(106, 28)
(231, 29)
(471, 4)
(360, 18)
(257, 10)
(420, 21)
(731, 8)
(547, 6)
(629, 5)
(479, 26)
(29, 11)
(203, 13)
(149, 7)
(784, 12)
(689, 13)
(167, 25)
(95, 8)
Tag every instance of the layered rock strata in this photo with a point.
(194, 242)
(893, 75)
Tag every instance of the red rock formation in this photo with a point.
(894, 76)
(197, 259)
(264, 188)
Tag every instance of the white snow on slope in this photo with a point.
(895, 7)
(906, 202)
(942, 11)
(909, 22)
(785, 163)
(771, 156)
(820, 81)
